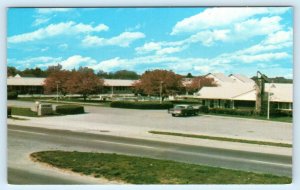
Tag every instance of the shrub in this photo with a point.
(228, 111)
(204, 109)
(69, 109)
(8, 111)
(281, 113)
(12, 95)
(141, 105)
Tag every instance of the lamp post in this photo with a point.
(269, 97)
(160, 91)
(57, 82)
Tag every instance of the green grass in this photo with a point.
(221, 139)
(139, 170)
(280, 119)
(28, 113)
(23, 112)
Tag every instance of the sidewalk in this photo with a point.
(142, 133)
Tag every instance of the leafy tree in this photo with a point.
(53, 68)
(84, 82)
(124, 74)
(102, 74)
(12, 71)
(189, 75)
(198, 82)
(151, 82)
(58, 79)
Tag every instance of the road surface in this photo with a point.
(140, 121)
(24, 140)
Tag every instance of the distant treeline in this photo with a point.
(121, 74)
(37, 72)
(277, 80)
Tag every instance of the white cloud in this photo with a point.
(41, 62)
(39, 21)
(76, 61)
(208, 37)
(265, 57)
(280, 37)
(218, 17)
(51, 30)
(169, 50)
(256, 27)
(122, 40)
(52, 10)
(148, 47)
(63, 46)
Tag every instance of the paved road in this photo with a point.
(114, 119)
(24, 140)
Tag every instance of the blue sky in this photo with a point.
(196, 40)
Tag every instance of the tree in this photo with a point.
(152, 82)
(102, 74)
(12, 71)
(53, 68)
(58, 79)
(189, 75)
(124, 74)
(199, 82)
(84, 82)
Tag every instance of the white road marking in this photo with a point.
(36, 133)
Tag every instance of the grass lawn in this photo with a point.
(23, 112)
(221, 138)
(280, 119)
(139, 170)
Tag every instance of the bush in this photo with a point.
(281, 113)
(8, 111)
(204, 109)
(12, 95)
(69, 109)
(141, 105)
(229, 111)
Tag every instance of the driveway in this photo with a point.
(138, 122)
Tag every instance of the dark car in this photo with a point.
(183, 110)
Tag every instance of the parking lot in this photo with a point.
(140, 121)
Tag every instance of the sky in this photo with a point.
(229, 40)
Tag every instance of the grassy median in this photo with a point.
(139, 170)
(221, 138)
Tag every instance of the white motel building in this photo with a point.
(233, 91)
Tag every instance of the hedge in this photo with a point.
(12, 95)
(231, 111)
(69, 109)
(141, 105)
(281, 113)
(204, 109)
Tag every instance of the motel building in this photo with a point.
(35, 86)
(239, 91)
(233, 91)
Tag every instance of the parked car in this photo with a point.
(184, 110)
